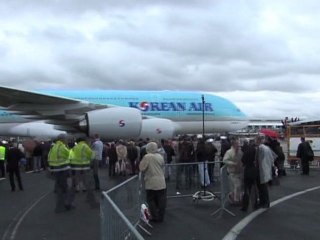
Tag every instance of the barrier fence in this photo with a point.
(184, 179)
(120, 211)
(121, 205)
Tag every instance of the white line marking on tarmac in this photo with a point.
(20, 219)
(20, 172)
(236, 230)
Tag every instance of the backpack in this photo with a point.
(309, 152)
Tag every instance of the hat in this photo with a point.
(152, 147)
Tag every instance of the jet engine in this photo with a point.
(155, 128)
(30, 129)
(113, 123)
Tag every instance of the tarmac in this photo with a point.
(294, 213)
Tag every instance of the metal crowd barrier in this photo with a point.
(121, 206)
(224, 192)
(120, 211)
(187, 180)
(184, 179)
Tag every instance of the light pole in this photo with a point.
(204, 164)
(204, 194)
(203, 103)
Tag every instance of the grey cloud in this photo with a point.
(182, 45)
(58, 34)
(74, 7)
(30, 79)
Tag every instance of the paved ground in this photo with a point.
(29, 215)
(295, 218)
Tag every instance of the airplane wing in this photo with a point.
(54, 110)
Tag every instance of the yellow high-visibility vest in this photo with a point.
(82, 156)
(58, 157)
(2, 153)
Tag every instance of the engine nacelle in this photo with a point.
(30, 129)
(157, 128)
(113, 123)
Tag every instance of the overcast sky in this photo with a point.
(262, 55)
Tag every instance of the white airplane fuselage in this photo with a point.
(162, 112)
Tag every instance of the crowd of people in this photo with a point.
(251, 167)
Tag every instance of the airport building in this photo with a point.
(256, 125)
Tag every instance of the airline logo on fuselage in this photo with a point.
(171, 106)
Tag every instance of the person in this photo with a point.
(305, 153)
(58, 160)
(211, 152)
(13, 156)
(37, 157)
(113, 158)
(152, 166)
(250, 175)
(121, 164)
(2, 159)
(225, 146)
(186, 155)
(81, 164)
(264, 161)
(142, 145)
(45, 146)
(170, 153)
(132, 156)
(232, 159)
(279, 161)
(97, 147)
(202, 158)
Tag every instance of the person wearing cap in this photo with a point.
(152, 166)
(58, 160)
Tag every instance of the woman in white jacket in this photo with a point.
(152, 165)
(232, 159)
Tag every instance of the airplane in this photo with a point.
(115, 114)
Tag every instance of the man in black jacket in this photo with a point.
(14, 156)
(250, 176)
(305, 153)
